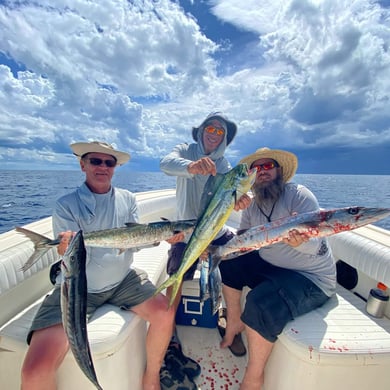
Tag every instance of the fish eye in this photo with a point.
(353, 210)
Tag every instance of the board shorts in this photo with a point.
(134, 289)
(175, 255)
(277, 295)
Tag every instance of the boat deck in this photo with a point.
(220, 368)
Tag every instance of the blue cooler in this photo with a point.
(191, 311)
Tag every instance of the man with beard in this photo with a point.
(286, 279)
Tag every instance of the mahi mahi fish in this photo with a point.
(74, 305)
(219, 204)
(319, 223)
(132, 235)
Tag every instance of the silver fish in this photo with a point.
(210, 285)
(74, 305)
(215, 289)
(204, 281)
(132, 235)
(320, 223)
(229, 187)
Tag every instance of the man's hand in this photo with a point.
(295, 238)
(203, 166)
(179, 237)
(65, 239)
(243, 202)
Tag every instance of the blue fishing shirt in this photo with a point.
(88, 211)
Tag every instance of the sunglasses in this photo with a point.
(98, 161)
(214, 130)
(266, 166)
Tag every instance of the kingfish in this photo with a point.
(74, 305)
(319, 223)
(219, 204)
(132, 235)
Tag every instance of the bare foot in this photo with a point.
(151, 383)
(251, 385)
(227, 340)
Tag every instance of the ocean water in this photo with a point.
(26, 196)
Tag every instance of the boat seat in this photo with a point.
(370, 256)
(114, 334)
(338, 346)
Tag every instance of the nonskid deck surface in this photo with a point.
(221, 370)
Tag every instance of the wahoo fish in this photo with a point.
(74, 305)
(321, 223)
(219, 204)
(132, 235)
(215, 289)
(210, 285)
(204, 280)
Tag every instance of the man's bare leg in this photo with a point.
(160, 317)
(259, 350)
(234, 325)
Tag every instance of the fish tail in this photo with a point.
(164, 285)
(42, 244)
(175, 289)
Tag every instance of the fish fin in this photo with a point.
(164, 219)
(132, 224)
(38, 253)
(175, 289)
(42, 244)
(165, 284)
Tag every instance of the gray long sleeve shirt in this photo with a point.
(189, 188)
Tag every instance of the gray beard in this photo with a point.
(266, 194)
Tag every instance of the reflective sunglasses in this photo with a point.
(98, 161)
(214, 130)
(266, 166)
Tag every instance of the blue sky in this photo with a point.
(308, 76)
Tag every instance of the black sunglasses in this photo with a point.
(98, 161)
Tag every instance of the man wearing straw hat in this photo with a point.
(286, 279)
(97, 205)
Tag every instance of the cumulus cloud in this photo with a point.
(306, 75)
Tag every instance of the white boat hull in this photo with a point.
(335, 347)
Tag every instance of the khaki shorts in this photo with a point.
(134, 289)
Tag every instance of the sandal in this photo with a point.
(175, 380)
(237, 347)
(175, 358)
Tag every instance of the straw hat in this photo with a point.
(82, 148)
(231, 127)
(288, 161)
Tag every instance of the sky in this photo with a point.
(308, 76)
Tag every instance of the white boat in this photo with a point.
(338, 346)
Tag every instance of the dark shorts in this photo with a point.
(175, 255)
(277, 295)
(134, 289)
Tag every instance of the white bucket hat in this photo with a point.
(288, 161)
(82, 148)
